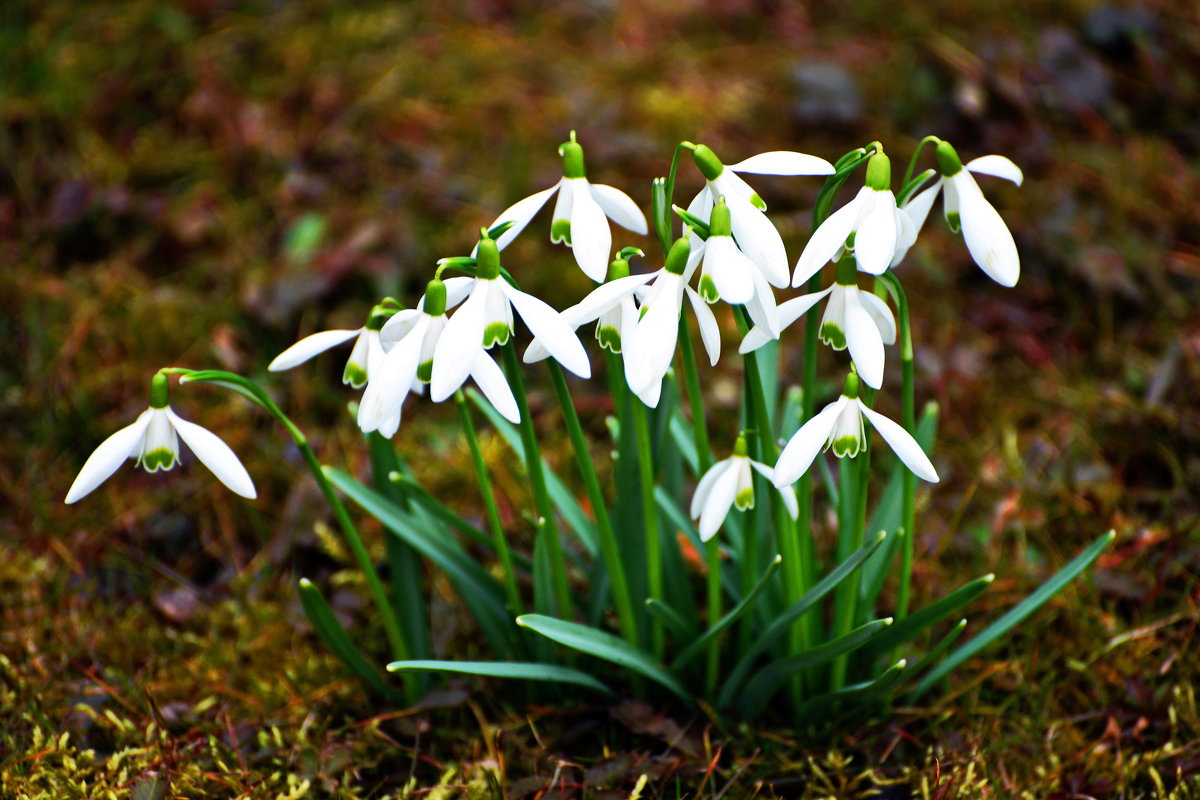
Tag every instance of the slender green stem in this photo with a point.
(250, 389)
(608, 541)
(850, 539)
(511, 590)
(912, 162)
(691, 376)
(547, 529)
(664, 226)
(653, 544)
(909, 420)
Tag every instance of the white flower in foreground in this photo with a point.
(367, 353)
(581, 214)
(485, 319)
(871, 217)
(853, 319)
(412, 338)
(727, 274)
(730, 483)
(153, 440)
(648, 356)
(755, 235)
(840, 426)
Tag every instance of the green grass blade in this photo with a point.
(669, 617)
(697, 646)
(479, 590)
(821, 707)
(685, 443)
(572, 513)
(519, 670)
(326, 624)
(930, 615)
(1017, 614)
(675, 515)
(769, 679)
(785, 620)
(940, 648)
(604, 646)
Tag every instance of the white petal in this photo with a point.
(912, 217)
(457, 289)
(863, 340)
(214, 454)
(950, 201)
(783, 162)
(787, 312)
(562, 206)
(875, 242)
(607, 296)
(548, 325)
(735, 188)
(762, 308)
(389, 384)
(620, 208)
(731, 271)
(760, 241)
(400, 323)
(701, 207)
(902, 444)
(491, 381)
(999, 166)
(828, 238)
(704, 487)
(519, 214)
(310, 346)
(787, 492)
(802, 448)
(649, 355)
(710, 332)
(591, 239)
(881, 314)
(987, 237)
(718, 503)
(108, 457)
(460, 340)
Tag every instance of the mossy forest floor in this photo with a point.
(199, 182)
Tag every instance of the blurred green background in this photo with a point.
(199, 183)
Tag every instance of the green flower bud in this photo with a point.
(879, 173)
(948, 161)
(619, 268)
(710, 166)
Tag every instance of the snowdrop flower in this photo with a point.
(853, 319)
(581, 214)
(153, 440)
(485, 319)
(657, 332)
(840, 426)
(364, 357)
(873, 220)
(412, 338)
(730, 483)
(755, 235)
(728, 274)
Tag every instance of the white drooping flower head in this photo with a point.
(581, 214)
(648, 356)
(485, 319)
(870, 225)
(411, 338)
(153, 440)
(366, 355)
(853, 319)
(840, 426)
(729, 483)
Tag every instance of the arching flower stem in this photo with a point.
(650, 526)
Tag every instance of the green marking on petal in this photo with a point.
(560, 231)
(758, 202)
(833, 336)
(425, 371)
(708, 289)
(355, 375)
(642, 312)
(161, 458)
(846, 446)
(609, 338)
(744, 499)
(954, 221)
(495, 333)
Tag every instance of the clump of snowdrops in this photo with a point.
(700, 572)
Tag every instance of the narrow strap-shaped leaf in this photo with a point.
(819, 707)
(520, 670)
(604, 646)
(767, 680)
(1017, 614)
(935, 612)
(681, 435)
(560, 495)
(326, 624)
(675, 515)
(669, 617)
(479, 590)
(697, 646)
(781, 623)
(939, 649)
